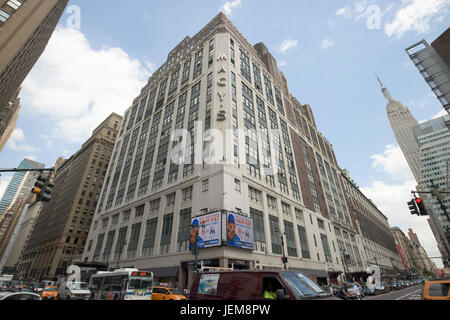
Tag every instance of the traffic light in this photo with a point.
(413, 207)
(43, 189)
(284, 259)
(421, 206)
(46, 197)
(39, 186)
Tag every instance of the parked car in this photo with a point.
(393, 285)
(49, 293)
(436, 290)
(255, 285)
(163, 293)
(22, 296)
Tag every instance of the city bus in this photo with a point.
(121, 284)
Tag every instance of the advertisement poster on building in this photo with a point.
(239, 231)
(209, 230)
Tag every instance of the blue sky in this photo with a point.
(329, 51)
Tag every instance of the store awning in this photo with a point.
(165, 272)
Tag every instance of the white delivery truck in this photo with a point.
(72, 290)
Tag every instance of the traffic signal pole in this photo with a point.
(439, 199)
(26, 170)
(43, 187)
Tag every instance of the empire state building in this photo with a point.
(403, 124)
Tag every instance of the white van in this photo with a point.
(73, 290)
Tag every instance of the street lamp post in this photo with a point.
(195, 249)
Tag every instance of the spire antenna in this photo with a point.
(379, 80)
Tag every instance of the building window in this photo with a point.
(258, 229)
(275, 235)
(290, 239)
(237, 185)
(115, 220)
(326, 248)
(105, 223)
(286, 209)
(154, 205)
(166, 233)
(184, 230)
(303, 242)
(272, 203)
(205, 186)
(321, 224)
(187, 194)
(126, 216)
(139, 211)
(170, 200)
(299, 215)
(4, 16)
(149, 239)
(255, 195)
(134, 239)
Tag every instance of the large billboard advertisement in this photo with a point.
(239, 231)
(209, 231)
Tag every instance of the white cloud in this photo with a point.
(77, 87)
(17, 142)
(346, 12)
(282, 64)
(360, 9)
(286, 45)
(4, 182)
(392, 200)
(416, 15)
(230, 6)
(327, 43)
(393, 162)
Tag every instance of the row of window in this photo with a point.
(288, 235)
(148, 240)
(8, 9)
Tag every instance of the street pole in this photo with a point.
(284, 256)
(196, 248)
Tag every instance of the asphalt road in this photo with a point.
(411, 293)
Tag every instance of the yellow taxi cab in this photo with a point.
(164, 293)
(49, 293)
(436, 290)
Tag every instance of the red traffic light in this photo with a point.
(418, 201)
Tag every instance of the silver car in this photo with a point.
(19, 296)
